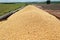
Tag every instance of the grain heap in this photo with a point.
(30, 23)
(1, 22)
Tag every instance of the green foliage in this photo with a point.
(5, 8)
(48, 1)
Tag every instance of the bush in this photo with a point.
(48, 2)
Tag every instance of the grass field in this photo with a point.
(5, 8)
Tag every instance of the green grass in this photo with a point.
(5, 8)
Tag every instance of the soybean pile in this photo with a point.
(30, 23)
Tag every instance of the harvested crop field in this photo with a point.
(30, 23)
(53, 9)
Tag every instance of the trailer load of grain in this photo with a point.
(1, 22)
(30, 23)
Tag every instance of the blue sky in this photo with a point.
(24, 0)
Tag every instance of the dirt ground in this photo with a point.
(54, 9)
